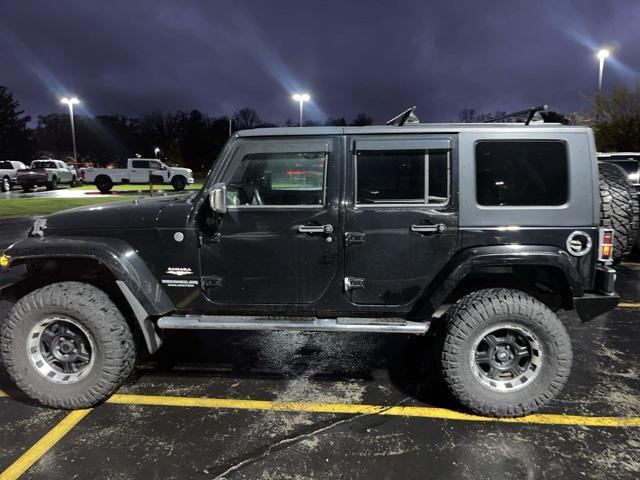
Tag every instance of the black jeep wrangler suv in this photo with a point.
(481, 230)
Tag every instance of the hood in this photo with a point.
(137, 213)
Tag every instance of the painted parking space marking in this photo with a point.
(629, 305)
(42, 446)
(360, 409)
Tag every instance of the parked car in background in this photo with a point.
(8, 173)
(138, 170)
(48, 173)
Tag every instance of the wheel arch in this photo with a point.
(111, 264)
(500, 267)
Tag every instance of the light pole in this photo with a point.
(71, 102)
(602, 55)
(156, 151)
(301, 98)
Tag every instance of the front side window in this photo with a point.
(282, 179)
(522, 173)
(402, 176)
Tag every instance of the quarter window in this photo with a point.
(402, 176)
(282, 179)
(521, 173)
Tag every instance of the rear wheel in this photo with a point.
(74, 182)
(67, 345)
(505, 354)
(179, 182)
(104, 184)
(53, 184)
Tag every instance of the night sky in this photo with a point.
(132, 57)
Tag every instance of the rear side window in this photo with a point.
(5, 166)
(402, 176)
(522, 173)
(140, 164)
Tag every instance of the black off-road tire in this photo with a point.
(104, 184)
(619, 209)
(53, 184)
(113, 356)
(179, 183)
(480, 311)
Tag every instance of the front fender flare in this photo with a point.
(465, 261)
(128, 268)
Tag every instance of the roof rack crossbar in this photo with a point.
(529, 112)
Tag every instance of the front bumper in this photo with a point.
(190, 180)
(592, 304)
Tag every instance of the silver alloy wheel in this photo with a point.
(61, 350)
(6, 185)
(506, 357)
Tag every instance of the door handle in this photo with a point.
(437, 228)
(315, 229)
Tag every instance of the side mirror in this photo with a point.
(218, 198)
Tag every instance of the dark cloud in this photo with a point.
(377, 57)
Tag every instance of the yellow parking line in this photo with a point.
(43, 445)
(354, 409)
(629, 305)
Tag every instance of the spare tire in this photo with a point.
(619, 209)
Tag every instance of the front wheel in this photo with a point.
(178, 183)
(5, 184)
(67, 345)
(505, 354)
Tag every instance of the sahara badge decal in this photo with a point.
(179, 272)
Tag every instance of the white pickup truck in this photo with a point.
(9, 173)
(49, 173)
(139, 170)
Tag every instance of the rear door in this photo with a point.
(139, 172)
(401, 222)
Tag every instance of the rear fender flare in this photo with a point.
(491, 256)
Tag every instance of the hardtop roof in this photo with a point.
(408, 128)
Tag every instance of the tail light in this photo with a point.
(606, 245)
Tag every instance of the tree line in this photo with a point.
(192, 139)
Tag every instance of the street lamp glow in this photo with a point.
(156, 151)
(70, 102)
(301, 98)
(602, 55)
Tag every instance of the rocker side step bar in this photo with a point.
(307, 324)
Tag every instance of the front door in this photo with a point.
(401, 222)
(277, 242)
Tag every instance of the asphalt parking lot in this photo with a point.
(281, 405)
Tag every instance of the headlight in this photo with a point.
(4, 261)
